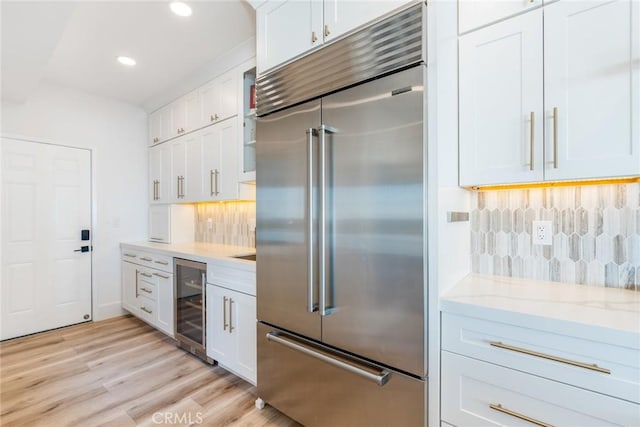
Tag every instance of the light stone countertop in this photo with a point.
(198, 251)
(617, 310)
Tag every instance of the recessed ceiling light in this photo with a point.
(180, 8)
(125, 60)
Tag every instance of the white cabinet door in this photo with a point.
(477, 13)
(286, 29)
(592, 82)
(219, 99)
(129, 287)
(155, 127)
(220, 170)
(160, 223)
(159, 173)
(219, 340)
(164, 302)
(178, 169)
(242, 323)
(166, 123)
(186, 113)
(192, 182)
(342, 16)
(500, 84)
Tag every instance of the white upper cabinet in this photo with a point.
(583, 94)
(288, 28)
(592, 82)
(219, 99)
(160, 173)
(342, 16)
(186, 114)
(500, 80)
(220, 161)
(160, 125)
(474, 14)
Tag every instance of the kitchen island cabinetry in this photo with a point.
(545, 356)
(231, 320)
(551, 95)
(289, 28)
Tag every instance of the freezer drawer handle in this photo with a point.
(380, 379)
(592, 367)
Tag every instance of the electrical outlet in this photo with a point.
(542, 233)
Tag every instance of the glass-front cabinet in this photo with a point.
(248, 164)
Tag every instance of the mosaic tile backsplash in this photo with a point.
(596, 234)
(232, 223)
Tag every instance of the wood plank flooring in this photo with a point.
(119, 372)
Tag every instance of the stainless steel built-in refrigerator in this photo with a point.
(341, 230)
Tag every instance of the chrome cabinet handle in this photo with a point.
(158, 239)
(211, 118)
(146, 274)
(231, 328)
(178, 187)
(326, 31)
(498, 407)
(211, 182)
(143, 308)
(145, 259)
(216, 117)
(130, 255)
(314, 38)
(146, 290)
(592, 367)
(160, 275)
(137, 293)
(311, 304)
(217, 174)
(224, 314)
(555, 137)
(531, 135)
(161, 262)
(380, 378)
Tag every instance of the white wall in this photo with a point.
(116, 133)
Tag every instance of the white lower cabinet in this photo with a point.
(524, 373)
(476, 393)
(231, 330)
(147, 288)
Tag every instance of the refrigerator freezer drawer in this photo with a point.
(319, 387)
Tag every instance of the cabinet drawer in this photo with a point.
(148, 259)
(593, 364)
(146, 285)
(232, 278)
(147, 309)
(476, 393)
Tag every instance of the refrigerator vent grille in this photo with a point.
(382, 47)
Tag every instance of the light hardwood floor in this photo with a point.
(119, 372)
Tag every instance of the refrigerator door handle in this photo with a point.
(380, 378)
(322, 236)
(311, 303)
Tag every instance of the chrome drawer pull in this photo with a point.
(146, 310)
(498, 407)
(145, 259)
(146, 274)
(130, 255)
(160, 275)
(161, 262)
(146, 290)
(593, 366)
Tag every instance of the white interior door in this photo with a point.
(46, 203)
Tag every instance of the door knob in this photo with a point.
(82, 249)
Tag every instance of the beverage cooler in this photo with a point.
(190, 285)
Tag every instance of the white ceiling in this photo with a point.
(75, 44)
